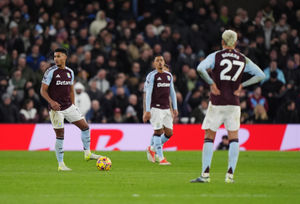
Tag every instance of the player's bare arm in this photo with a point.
(44, 92)
(214, 89)
(146, 116)
(72, 95)
(144, 102)
(239, 90)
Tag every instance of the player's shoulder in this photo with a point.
(168, 73)
(152, 73)
(51, 70)
(69, 69)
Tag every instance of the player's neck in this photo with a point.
(61, 66)
(225, 47)
(160, 70)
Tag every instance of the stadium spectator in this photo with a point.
(133, 110)
(5, 61)
(44, 116)
(82, 99)
(27, 72)
(287, 113)
(257, 99)
(17, 82)
(95, 114)
(93, 92)
(102, 83)
(120, 83)
(108, 104)
(224, 144)
(8, 111)
(200, 111)
(260, 114)
(35, 58)
(98, 24)
(273, 67)
(137, 46)
(272, 90)
(117, 116)
(28, 114)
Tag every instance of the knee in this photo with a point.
(158, 132)
(60, 135)
(169, 134)
(85, 128)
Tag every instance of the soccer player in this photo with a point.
(227, 66)
(58, 89)
(159, 87)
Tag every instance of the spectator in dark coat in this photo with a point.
(287, 113)
(8, 111)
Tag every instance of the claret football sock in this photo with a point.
(158, 146)
(207, 154)
(233, 155)
(164, 139)
(59, 151)
(85, 138)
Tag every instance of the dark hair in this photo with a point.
(158, 55)
(224, 137)
(62, 50)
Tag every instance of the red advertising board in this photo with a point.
(136, 137)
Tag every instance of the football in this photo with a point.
(103, 164)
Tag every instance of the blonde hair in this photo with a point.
(260, 112)
(229, 37)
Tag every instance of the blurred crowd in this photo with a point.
(111, 44)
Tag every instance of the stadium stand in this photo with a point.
(111, 44)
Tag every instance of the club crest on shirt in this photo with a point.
(169, 78)
(68, 75)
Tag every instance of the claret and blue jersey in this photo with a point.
(227, 67)
(59, 82)
(159, 87)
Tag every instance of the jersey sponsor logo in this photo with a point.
(163, 84)
(158, 78)
(63, 82)
(57, 76)
(68, 75)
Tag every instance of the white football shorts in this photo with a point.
(71, 114)
(161, 118)
(217, 115)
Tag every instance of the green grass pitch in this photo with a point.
(261, 177)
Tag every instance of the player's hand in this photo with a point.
(214, 89)
(146, 116)
(238, 91)
(175, 113)
(55, 106)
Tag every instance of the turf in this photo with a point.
(261, 177)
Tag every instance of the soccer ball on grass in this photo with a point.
(103, 164)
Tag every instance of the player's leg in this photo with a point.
(168, 125)
(232, 124)
(233, 155)
(207, 154)
(211, 123)
(86, 139)
(151, 150)
(73, 115)
(57, 120)
(158, 147)
(167, 135)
